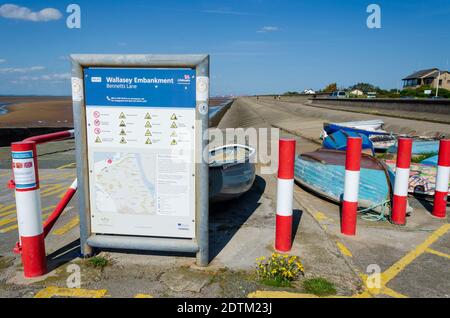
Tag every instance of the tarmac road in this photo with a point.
(413, 260)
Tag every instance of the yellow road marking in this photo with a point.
(7, 207)
(69, 165)
(5, 174)
(53, 291)
(143, 296)
(400, 265)
(385, 277)
(392, 293)
(344, 250)
(319, 216)
(15, 226)
(56, 177)
(67, 227)
(431, 251)
(393, 271)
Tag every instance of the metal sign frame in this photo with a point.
(88, 240)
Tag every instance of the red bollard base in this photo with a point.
(34, 259)
(399, 204)
(440, 204)
(283, 233)
(348, 223)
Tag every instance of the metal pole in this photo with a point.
(202, 169)
(79, 120)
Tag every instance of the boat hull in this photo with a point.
(323, 172)
(230, 178)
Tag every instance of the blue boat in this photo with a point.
(322, 172)
(420, 147)
(431, 161)
(367, 127)
(338, 141)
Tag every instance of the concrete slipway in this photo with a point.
(414, 259)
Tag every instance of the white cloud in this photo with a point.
(21, 69)
(2, 61)
(12, 11)
(53, 77)
(268, 29)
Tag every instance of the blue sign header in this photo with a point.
(139, 87)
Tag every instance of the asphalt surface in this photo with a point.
(413, 260)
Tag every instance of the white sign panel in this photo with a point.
(140, 137)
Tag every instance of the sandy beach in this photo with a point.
(41, 111)
(30, 112)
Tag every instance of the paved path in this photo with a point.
(413, 260)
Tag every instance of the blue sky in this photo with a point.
(256, 46)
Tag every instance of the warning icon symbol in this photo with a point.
(173, 143)
(147, 116)
(174, 117)
(98, 140)
(122, 116)
(148, 133)
(173, 134)
(148, 125)
(174, 125)
(122, 132)
(123, 141)
(148, 142)
(122, 123)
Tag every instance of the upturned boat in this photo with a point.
(231, 172)
(323, 172)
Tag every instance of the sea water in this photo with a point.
(3, 109)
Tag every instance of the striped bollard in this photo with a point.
(285, 194)
(351, 185)
(401, 185)
(28, 205)
(442, 178)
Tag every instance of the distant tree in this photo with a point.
(366, 87)
(291, 93)
(330, 88)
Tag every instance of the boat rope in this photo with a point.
(370, 214)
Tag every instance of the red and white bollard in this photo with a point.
(285, 195)
(28, 203)
(401, 185)
(351, 185)
(442, 178)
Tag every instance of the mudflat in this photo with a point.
(30, 112)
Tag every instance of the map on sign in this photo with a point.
(140, 126)
(124, 184)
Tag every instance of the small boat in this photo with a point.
(431, 161)
(420, 146)
(373, 129)
(366, 127)
(231, 172)
(422, 178)
(338, 141)
(323, 173)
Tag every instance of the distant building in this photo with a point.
(428, 77)
(309, 92)
(357, 92)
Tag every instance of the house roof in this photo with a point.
(422, 73)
